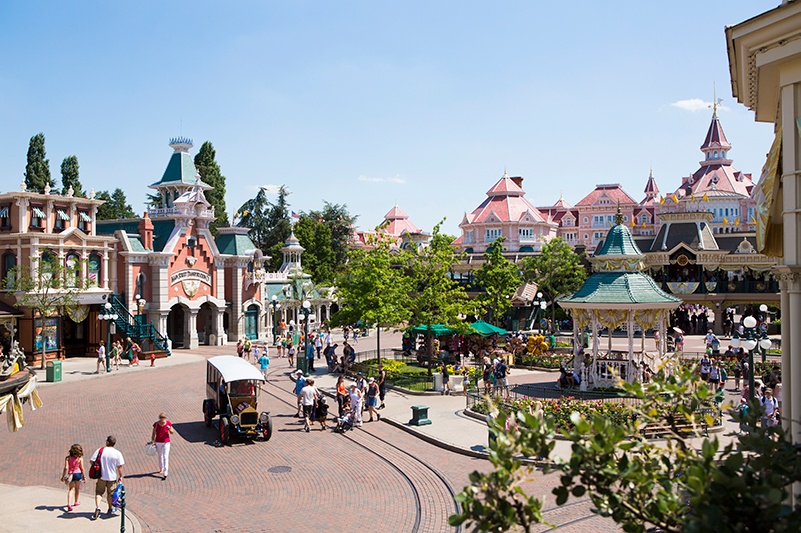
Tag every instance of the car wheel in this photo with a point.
(267, 429)
(225, 431)
(207, 416)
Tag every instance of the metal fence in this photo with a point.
(524, 392)
(414, 382)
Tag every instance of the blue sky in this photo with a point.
(374, 103)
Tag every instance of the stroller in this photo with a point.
(321, 411)
(345, 422)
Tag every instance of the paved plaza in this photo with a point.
(381, 476)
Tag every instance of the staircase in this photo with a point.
(131, 326)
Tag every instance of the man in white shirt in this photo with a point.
(111, 462)
(308, 398)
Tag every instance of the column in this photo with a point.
(237, 315)
(190, 328)
(785, 280)
(220, 327)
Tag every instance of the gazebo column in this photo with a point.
(630, 374)
(595, 342)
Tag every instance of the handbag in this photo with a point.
(95, 471)
(150, 449)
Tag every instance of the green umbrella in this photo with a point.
(438, 330)
(486, 329)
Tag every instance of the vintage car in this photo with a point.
(232, 390)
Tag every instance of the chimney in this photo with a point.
(146, 232)
(518, 181)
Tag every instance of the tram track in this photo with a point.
(368, 442)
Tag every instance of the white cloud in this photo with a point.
(369, 179)
(696, 104)
(270, 189)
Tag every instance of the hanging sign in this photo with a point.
(190, 275)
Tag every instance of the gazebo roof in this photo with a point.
(616, 290)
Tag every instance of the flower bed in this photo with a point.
(546, 360)
(561, 409)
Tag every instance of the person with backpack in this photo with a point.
(110, 461)
(501, 371)
(770, 409)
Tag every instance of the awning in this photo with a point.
(62, 214)
(769, 229)
(3, 212)
(438, 330)
(84, 217)
(37, 212)
(486, 329)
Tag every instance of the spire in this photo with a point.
(715, 145)
(619, 215)
(651, 190)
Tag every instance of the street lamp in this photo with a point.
(140, 307)
(541, 306)
(111, 319)
(302, 363)
(752, 337)
(276, 306)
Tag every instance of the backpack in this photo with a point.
(96, 471)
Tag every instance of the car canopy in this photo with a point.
(235, 368)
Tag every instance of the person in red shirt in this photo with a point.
(162, 429)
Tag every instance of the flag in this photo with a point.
(706, 198)
(753, 221)
(675, 198)
(295, 215)
(692, 197)
(661, 199)
(643, 223)
(725, 220)
(632, 222)
(737, 222)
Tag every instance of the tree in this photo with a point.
(69, 177)
(37, 170)
(268, 222)
(436, 298)
(116, 206)
(44, 289)
(209, 171)
(557, 271)
(319, 257)
(499, 278)
(374, 288)
(673, 486)
(341, 222)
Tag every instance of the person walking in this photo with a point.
(73, 475)
(116, 353)
(308, 398)
(318, 343)
(382, 385)
(342, 395)
(309, 347)
(291, 353)
(240, 348)
(135, 350)
(247, 346)
(101, 358)
(300, 382)
(264, 363)
(111, 462)
(372, 399)
(356, 397)
(256, 353)
(162, 429)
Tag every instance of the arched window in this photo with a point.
(94, 271)
(72, 269)
(47, 267)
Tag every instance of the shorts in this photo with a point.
(308, 411)
(106, 487)
(501, 382)
(714, 381)
(77, 476)
(704, 377)
(372, 401)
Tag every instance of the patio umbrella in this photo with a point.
(678, 330)
(438, 330)
(486, 329)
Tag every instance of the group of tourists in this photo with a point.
(105, 466)
(495, 376)
(119, 352)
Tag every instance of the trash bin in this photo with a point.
(438, 386)
(53, 371)
(302, 364)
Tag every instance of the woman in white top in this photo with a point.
(356, 399)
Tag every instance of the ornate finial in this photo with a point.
(47, 188)
(619, 215)
(70, 191)
(715, 101)
(92, 194)
(181, 144)
(23, 186)
(505, 175)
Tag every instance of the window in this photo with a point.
(61, 219)
(72, 269)
(94, 270)
(47, 267)
(525, 233)
(468, 237)
(37, 217)
(567, 222)
(5, 217)
(83, 220)
(492, 235)
(586, 220)
(9, 264)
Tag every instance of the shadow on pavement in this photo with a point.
(64, 514)
(196, 432)
(154, 475)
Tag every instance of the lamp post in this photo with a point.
(140, 307)
(541, 305)
(110, 319)
(752, 337)
(276, 306)
(302, 363)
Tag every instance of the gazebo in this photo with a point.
(617, 294)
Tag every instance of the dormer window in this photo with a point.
(723, 155)
(5, 218)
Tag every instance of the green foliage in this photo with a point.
(340, 222)
(210, 173)
(557, 271)
(545, 360)
(116, 205)
(671, 485)
(499, 279)
(318, 257)
(37, 169)
(70, 178)
(373, 288)
(561, 410)
(268, 222)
